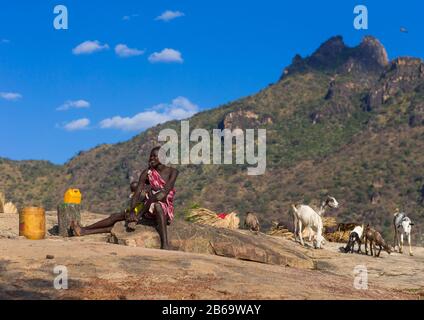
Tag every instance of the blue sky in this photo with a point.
(218, 51)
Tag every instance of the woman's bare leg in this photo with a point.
(108, 222)
(103, 226)
(161, 225)
(80, 231)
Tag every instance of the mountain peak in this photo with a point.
(332, 47)
(334, 55)
(371, 51)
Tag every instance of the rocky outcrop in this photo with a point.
(204, 239)
(328, 53)
(372, 54)
(402, 75)
(244, 119)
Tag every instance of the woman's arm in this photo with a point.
(168, 186)
(141, 186)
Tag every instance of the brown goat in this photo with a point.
(251, 222)
(376, 240)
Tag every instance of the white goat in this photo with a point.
(305, 216)
(403, 227)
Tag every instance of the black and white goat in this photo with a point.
(403, 228)
(355, 236)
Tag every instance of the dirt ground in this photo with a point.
(99, 270)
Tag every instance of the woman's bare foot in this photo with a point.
(76, 229)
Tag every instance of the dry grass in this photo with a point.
(208, 217)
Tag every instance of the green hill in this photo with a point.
(344, 121)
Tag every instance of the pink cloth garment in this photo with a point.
(222, 215)
(157, 183)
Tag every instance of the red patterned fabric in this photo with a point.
(157, 183)
(222, 215)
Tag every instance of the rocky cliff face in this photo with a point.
(402, 83)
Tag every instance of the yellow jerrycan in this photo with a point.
(72, 196)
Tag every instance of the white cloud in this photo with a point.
(140, 121)
(180, 108)
(79, 124)
(127, 18)
(77, 104)
(169, 15)
(123, 51)
(10, 96)
(167, 56)
(89, 47)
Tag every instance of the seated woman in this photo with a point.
(155, 191)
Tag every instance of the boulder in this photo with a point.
(204, 239)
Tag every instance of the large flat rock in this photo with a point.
(196, 238)
(100, 270)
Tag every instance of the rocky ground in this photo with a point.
(99, 270)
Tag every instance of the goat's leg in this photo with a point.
(375, 250)
(310, 234)
(409, 243)
(396, 239)
(369, 242)
(366, 246)
(401, 243)
(359, 245)
(371, 247)
(295, 226)
(397, 243)
(300, 233)
(351, 244)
